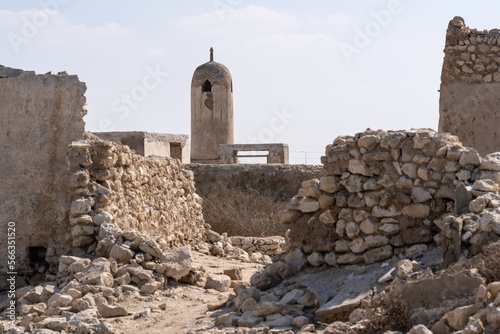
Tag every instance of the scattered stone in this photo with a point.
(220, 283)
(108, 311)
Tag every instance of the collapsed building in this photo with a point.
(379, 195)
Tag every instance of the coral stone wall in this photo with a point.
(470, 86)
(112, 185)
(381, 192)
(40, 115)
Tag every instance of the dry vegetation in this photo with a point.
(243, 213)
(487, 263)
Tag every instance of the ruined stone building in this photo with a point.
(212, 121)
(469, 104)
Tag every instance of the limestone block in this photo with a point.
(308, 205)
(378, 254)
(340, 228)
(368, 226)
(371, 184)
(178, 262)
(341, 246)
(360, 215)
(357, 245)
(121, 254)
(410, 169)
(97, 273)
(296, 259)
(59, 300)
(367, 141)
(350, 258)
(329, 184)
(79, 230)
(423, 173)
(389, 229)
(108, 311)
(340, 307)
(486, 185)
(491, 162)
(416, 211)
(404, 268)
(309, 299)
(331, 259)
(437, 164)
(378, 212)
(354, 183)
(54, 323)
(247, 319)
(264, 280)
(81, 206)
(372, 241)
(352, 230)
(220, 283)
(327, 217)
(310, 188)
(325, 201)
(420, 195)
(315, 259)
(103, 217)
(359, 167)
(287, 216)
(470, 157)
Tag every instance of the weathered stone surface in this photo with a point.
(416, 211)
(329, 184)
(247, 319)
(108, 311)
(486, 185)
(491, 162)
(178, 262)
(378, 254)
(287, 216)
(97, 273)
(218, 282)
(264, 280)
(297, 259)
(315, 259)
(266, 308)
(34, 170)
(340, 306)
(121, 254)
(350, 258)
(308, 205)
(470, 157)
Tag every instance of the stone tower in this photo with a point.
(211, 110)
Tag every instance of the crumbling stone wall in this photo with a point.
(280, 179)
(470, 86)
(382, 192)
(112, 185)
(40, 115)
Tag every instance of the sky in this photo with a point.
(303, 72)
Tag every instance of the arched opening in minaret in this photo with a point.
(206, 87)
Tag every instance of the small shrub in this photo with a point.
(243, 212)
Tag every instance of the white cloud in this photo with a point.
(248, 20)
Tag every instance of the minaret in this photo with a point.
(212, 120)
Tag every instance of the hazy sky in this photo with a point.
(304, 72)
